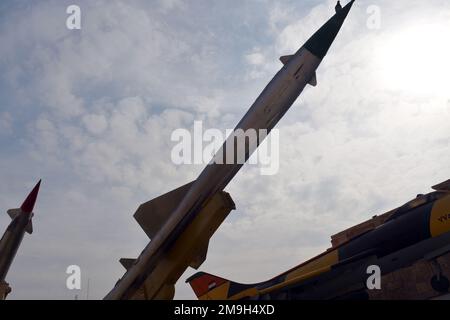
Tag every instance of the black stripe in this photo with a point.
(406, 230)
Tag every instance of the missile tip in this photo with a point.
(28, 204)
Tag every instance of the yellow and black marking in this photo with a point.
(425, 217)
(440, 217)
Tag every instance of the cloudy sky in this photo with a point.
(91, 112)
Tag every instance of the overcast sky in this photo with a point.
(91, 112)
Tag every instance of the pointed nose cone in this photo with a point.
(29, 202)
(321, 41)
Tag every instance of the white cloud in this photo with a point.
(255, 58)
(6, 123)
(93, 112)
(95, 123)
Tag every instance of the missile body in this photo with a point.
(12, 238)
(299, 70)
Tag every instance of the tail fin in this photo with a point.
(13, 213)
(210, 287)
(153, 214)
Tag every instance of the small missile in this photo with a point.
(12, 238)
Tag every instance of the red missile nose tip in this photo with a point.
(29, 202)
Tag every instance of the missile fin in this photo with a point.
(443, 186)
(29, 227)
(13, 213)
(286, 59)
(153, 214)
(200, 257)
(127, 263)
(313, 81)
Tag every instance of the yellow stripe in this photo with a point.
(218, 293)
(440, 217)
(309, 270)
(296, 280)
(326, 260)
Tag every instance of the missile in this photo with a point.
(12, 238)
(417, 230)
(166, 218)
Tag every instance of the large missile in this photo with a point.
(12, 238)
(166, 218)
